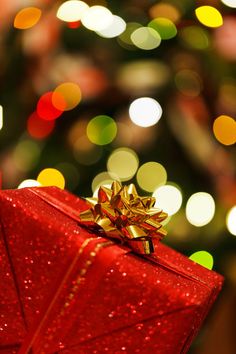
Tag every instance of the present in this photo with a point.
(70, 286)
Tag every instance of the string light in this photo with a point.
(101, 130)
(71, 94)
(224, 129)
(146, 38)
(164, 27)
(151, 175)
(229, 3)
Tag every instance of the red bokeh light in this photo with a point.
(39, 128)
(45, 108)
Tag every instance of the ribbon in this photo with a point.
(124, 215)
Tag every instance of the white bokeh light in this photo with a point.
(146, 38)
(229, 3)
(72, 10)
(145, 111)
(231, 221)
(168, 198)
(114, 29)
(200, 209)
(29, 183)
(97, 18)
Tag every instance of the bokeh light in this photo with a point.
(27, 183)
(1, 117)
(164, 26)
(146, 38)
(231, 220)
(103, 178)
(200, 209)
(101, 130)
(195, 37)
(26, 155)
(209, 16)
(72, 10)
(188, 82)
(151, 175)
(39, 128)
(123, 162)
(224, 129)
(114, 29)
(124, 38)
(145, 111)
(46, 108)
(203, 258)
(51, 177)
(229, 3)
(168, 198)
(27, 18)
(71, 94)
(167, 10)
(97, 18)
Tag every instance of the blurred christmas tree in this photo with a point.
(145, 96)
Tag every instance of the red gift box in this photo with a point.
(68, 290)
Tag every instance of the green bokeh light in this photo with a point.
(101, 130)
(165, 27)
(203, 258)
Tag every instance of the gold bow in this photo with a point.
(124, 215)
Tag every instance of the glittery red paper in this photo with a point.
(126, 304)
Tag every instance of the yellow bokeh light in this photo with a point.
(151, 175)
(168, 198)
(209, 16)
(71, 94)
(103, 178)
(27, 18)
(114, 29)
(145, 111)
(97, 18)
(72, 10)
(231, 220)
(224, 129)
(200, 209)
(27, 183)
(203, 258)
(51, 177)
(195, 37)
(146, 38)
(123, 162)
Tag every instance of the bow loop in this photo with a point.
(124, 215)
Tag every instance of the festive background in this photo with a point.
(142, 91)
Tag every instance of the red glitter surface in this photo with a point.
(124, 303)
